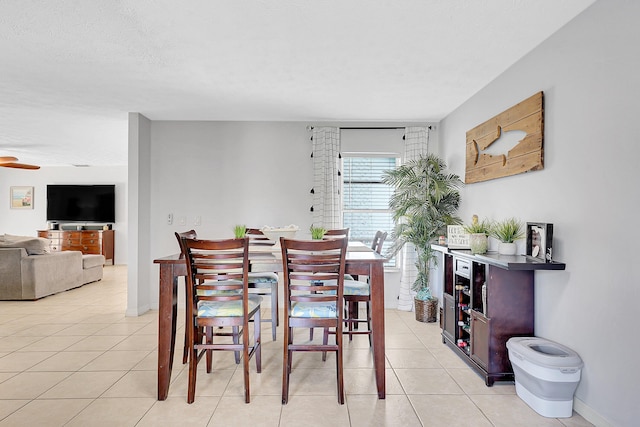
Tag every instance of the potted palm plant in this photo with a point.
(424, 201)
(507, 232)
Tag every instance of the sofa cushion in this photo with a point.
(33, 245)
(89, 261)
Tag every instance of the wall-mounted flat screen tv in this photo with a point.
(81, 203)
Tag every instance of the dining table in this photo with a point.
(360, 260)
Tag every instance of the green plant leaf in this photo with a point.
(424, 201)
(508, 230)
(239, 231)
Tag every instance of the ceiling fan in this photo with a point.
(11, 162)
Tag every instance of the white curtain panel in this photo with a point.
(327, 202)
(416, 143)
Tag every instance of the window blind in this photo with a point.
(366, 197)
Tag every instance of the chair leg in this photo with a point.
(274, 309)
(353, 306)
(257, 342)
(209, 335)
(193, 369)
(185, 350)
(245, 364)
(325, 341)
(339, 367)
(286, 366)
(369, 322)
(236, 340)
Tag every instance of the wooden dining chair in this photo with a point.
(191, 234)
(218, 296)
(334, 233)
(313, 297)
(355, 292)
(358, 291)
(265, 282)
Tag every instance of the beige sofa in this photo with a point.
(28, 271)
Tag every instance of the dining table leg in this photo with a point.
(377, 325)
(168, 307)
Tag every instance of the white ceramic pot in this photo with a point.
(507, 248)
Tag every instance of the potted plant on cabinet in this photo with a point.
(507, 232)
(478, 235)
(424, 201)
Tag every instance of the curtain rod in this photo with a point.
(366, 128)
(370, 128)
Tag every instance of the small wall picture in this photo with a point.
(540, 241)
(457, 238)
(21, 198)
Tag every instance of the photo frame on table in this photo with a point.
(21, 197)
(540, 241)
(457, 238)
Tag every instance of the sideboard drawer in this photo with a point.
(90, 235)
(91, 249)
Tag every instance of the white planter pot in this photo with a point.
(478, 242)
(507, 248)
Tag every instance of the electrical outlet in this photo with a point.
(170, 219)
(198, 220)
(182, 220)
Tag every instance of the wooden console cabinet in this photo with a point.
(86, 241)
(488, 299)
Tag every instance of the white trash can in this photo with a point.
(546, 374)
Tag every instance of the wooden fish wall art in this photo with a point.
(485, 156)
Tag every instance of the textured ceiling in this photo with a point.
(72, 70)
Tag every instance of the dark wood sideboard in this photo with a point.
(86, 241)
(488, 299)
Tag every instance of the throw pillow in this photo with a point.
(33, 245)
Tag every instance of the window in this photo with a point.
(366, 197)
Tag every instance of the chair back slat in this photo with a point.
(336, 233)
(378, 241)
(217, 270)
(314, 270)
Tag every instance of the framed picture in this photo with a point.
(457, 238)
(21, 198)
(540, 241)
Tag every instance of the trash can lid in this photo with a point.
(545, 352)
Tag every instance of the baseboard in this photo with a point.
(589, 414)
(135, 312)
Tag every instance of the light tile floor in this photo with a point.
(74, 359)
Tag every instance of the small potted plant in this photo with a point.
(239, 231)
(507, 232)
(317, 233)
(478, 235)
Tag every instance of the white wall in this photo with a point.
(588, 189)
(27, 222)
(139, 148)
(226, 173)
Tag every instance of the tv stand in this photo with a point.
(98, 242)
